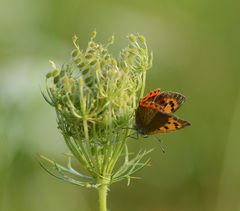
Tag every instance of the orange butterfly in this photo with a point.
(155, 113)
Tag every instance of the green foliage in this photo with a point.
(95, 96)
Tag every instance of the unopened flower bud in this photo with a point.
(49, 75)
(132, 46)
(67, 84)
(88, 56)
(104, 51)
(94, 34)
(114, 62)
(80, 65)
(80, 81)
(91, 51)
(93, 62)
(85, 71)
(92, 44)
(78, 61)
(55, 73)
(56, 79)
(132, 38)
(106, 57)
(75, 53)
(141, 39)
(87, 80)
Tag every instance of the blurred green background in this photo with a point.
(196, 52)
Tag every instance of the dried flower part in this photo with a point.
(95, 96)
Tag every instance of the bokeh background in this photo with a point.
(196, 46)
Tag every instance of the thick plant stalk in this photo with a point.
(102, 194)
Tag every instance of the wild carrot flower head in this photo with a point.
(95, 96)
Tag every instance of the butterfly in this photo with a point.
(154, 113)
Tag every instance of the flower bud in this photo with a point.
(92, 44)
(132, 38)
(106, 57)
(87, 80)
(88, 56)
(85, 71)
(91, 51)
(49, 75)
(56, 79)
(75, 53)
(104, 51)
(78, 60)
(133, 52)
(132, 46)
(80, 81)
(80, 65)
(141, 39)
(66, 84)
(114, 62)
(94, 34)
(55, 73)
(93, 62)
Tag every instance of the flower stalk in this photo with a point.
(102, 192)
(95, 96)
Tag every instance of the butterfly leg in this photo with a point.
(131, 136)
(160, 142)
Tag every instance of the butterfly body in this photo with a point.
(155, 113)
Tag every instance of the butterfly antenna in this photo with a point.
(160, 142)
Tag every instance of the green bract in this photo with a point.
(95, 96)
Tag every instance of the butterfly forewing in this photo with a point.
(168, 102)
(171, 101)
(164, 122)
(150, 96)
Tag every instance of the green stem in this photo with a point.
(143, 84)
(102, 193)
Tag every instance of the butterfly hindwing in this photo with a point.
(170, 123)
(173, 124)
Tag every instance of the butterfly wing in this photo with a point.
(150, 96)
(167, 102)
(165, 122)
(144, 118)
(154, 113)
